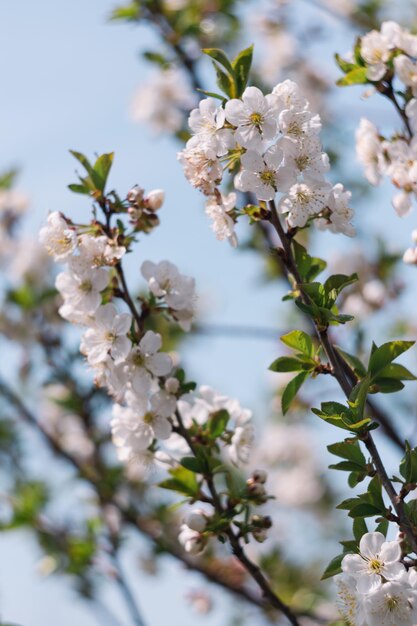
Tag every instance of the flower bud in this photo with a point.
(256, 489)
(196, 520)
(155, 199)
(259, 535)
(135, 195)
(172, 385)
(259, 476)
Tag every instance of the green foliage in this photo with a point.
(308, 267)
(183, 481)
(130, 12)
(304, 362)
(7, 179)
(356, 76)
(95, 182)
(232, 76)
(343, 417)
(408, 465)
(28, 500)
(322, 299)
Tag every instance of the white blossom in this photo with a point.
(58, 237)
(207, 122)
(163, 101)
(264, 175)
(145, 361)
(101, 250)
(202, 167)
(108, 335)
(304, 200)
(391, 604)
(369, 151)
(80, 286)
(376, 558)
(241, 444)
(375, 51)
(218, 208)
(254, 117)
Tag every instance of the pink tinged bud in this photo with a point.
(135, 195)
(196, 520)
(172, 385)
(259, 476)
(155, 199)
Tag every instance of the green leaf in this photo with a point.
(357, 76)
(157, 58)
(386, 385)
(309, 267)
(299, 340)
(101, 170)
(353, 361)
(79, 189)
(221, 58)
(387, 353)
(365, 510)
(218, 422)
(8, 178)
(345, 66)
(130, 12)
(183, 481)
(193, 464)
(359, 528)
(291, 364)
(292, 389)
(338, 282)
(397, 371)
(241, 66)
(83, 160)
(349, 450)
(408, 465)
(347, 466)
(224, 82)
(334, 567)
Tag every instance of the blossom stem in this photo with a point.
(345, 384)
(251, 567)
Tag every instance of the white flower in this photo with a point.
(163, 101)
(350, 602)
(201, 165)
(80, 286)
(165, 281)
(100, 250)
(304, 200)
(155, 199)
(266, 175)
(411, 112)
(241, 444)
(338, 220)
(376, 558)
(289, 95)
(193, 541)
(375, 51)
(306, 157)
(145, 361)
(217, 208)
(163, 405)
(107, 336)
(391, 604)
(13, 203)
(254, 117)
(196, 520)
(406, 70)
(134, 427)
(58, 238)
(410, 256)
(369, 151)
(402, 203)
(298, 125)
(207, 121)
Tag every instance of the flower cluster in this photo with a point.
(126, 361)
(273, 142)
(389, 55)
(163, 101)
(376, 589)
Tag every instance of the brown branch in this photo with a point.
(340, 375)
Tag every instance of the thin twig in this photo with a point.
(346, 386)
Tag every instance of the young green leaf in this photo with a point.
(292, 389)
(385, 354)
(241, 67)
(299, 340)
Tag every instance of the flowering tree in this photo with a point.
(180, 463)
